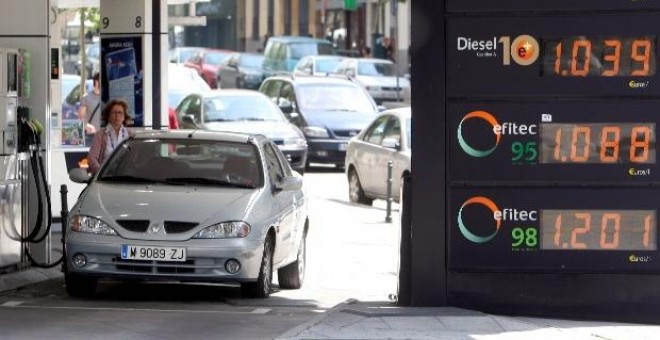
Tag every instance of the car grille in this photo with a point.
(346, 133)
(159, 267)
(173, 227)
(138, 226)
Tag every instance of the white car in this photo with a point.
(386, 139)
(317, 65)
(189, 205)
(378, 76)
(181, 82)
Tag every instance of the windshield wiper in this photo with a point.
(208, 181)
(134, 179)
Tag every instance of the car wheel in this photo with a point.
(355, 192)
(293, 275)
(261, 288)
(80, 286)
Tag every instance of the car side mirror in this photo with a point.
(308, 70)
(381, 108)
(189, 121)
(391, 143)
(285, 105)
(290, 183)
(350, 73)
(79, 175)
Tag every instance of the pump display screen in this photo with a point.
(580, 56)
(599, 143)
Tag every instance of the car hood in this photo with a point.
(339, 120)
(270, 129)
(158, 203)
(383, 81)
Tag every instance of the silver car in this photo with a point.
(386, 139)
(189, 205)
(378, 76)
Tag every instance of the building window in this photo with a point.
(303, 24)
(255, 20)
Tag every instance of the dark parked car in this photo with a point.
(329, 111)
(244, 111)
(240, 70)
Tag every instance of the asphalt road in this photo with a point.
(352, 253)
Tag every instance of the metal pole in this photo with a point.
(404, 291)
(388, 216)
(65, 221)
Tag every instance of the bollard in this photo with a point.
(388, 214)
(404, 289)
(64, 213)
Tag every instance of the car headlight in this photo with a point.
(225, 230)
(92, 225)
(313, 131)
(295, 141)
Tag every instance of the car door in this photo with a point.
(385, 154)
(368, 154)
(283, 205)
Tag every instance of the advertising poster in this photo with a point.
(121, 74)
(72, 132)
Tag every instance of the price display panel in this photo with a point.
(580, 141)
(554, 229)
(583, 56)
(526, 5)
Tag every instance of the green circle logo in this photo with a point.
(464, 229)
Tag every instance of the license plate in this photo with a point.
(152, 253)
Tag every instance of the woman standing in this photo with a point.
(113, 120)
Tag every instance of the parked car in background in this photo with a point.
(181, 82)
(328, 110)
(240, 70)
(283, 53)
(386, 139)
(244, 111)
(180, 55)
(71, 102)
(219, 207)
(206, 63)
(318, 65)
(378, 76)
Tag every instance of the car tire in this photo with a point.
(261, 288)
(355, 192)
(293, 275)
(80, 286)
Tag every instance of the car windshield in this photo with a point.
(93, 51)
(184, 162)
(334, 97)
(251, 61)
(225, 108)
(376, 69)
(326, 65)
(215, 58)
(300, 50)
(186, 54)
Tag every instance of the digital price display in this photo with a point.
(596, 143)
(572, 142)
(581, 56)
(585, 55)
(596, 230)
(554, 229)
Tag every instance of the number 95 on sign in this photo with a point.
(153, 253)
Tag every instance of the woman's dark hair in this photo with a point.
(108, 107)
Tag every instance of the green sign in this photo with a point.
(350, 5)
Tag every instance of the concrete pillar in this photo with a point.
(279, 17)
(313, 19)
(249, 19)
(295, 17)
(133, 58)
(263, 22)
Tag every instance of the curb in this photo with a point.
(295, 331)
